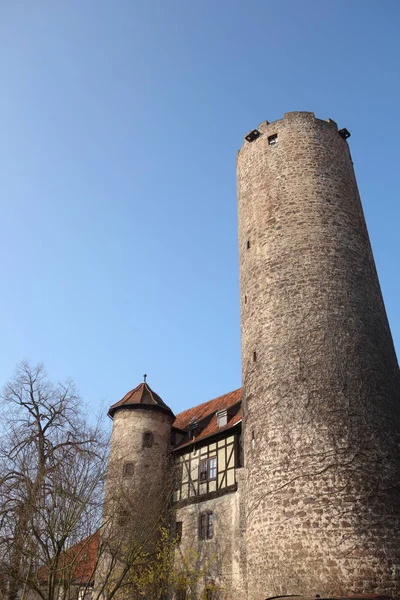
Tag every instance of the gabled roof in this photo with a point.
(141, 396)
(205, 415)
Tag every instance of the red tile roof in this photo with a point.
(78, 563)
(83, 556)
(139, 396)
(209, 409)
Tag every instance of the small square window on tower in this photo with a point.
(253, 135)
(148, 439)
(128, 469)
(123, 518)
(272, 139)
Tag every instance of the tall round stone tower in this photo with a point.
(139, 478)
(320, 375)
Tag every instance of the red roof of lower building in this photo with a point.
(77, 564)
(79, 561)
(205, 415)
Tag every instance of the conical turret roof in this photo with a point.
(141, 396)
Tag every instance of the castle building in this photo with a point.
(290, 485)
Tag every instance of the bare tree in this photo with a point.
(135, 515)
(51, 478)
(56, 538)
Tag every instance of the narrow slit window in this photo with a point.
(178, 531)
(212, 468)
(254, 356)
(272, 139)
(248, 244)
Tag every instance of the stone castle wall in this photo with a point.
(320, 375)
(221, 560)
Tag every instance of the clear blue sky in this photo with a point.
(119, 127)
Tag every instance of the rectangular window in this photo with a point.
(203, 527)
(272, 139)
(123, 518)
(206, 526)
(210, 526)
(208, 469)
(203, 476)
(82, 592)
(212, 468)
(222, 415)
(148, 439)
(178, 531)
(128, 469)
(209, 592)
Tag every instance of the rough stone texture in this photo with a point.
(224, 554)
(320, 375)
(141, 499)
(151, 479)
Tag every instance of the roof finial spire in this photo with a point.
(144, 377)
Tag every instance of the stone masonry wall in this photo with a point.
(320, 375)
(151, 480)
(220, 560)
(135, 502)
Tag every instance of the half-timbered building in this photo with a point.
(197, 456)
(207, 498)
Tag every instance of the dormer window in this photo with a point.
(192, 427)
(222, 418)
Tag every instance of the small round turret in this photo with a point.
(138, 484)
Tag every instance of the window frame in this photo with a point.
(128, 469)
(193, 468)
(212, 470)
(272, 139)
(178, 531)
(148, 439)
(222, 415)
(208, 469)
(206, 525)
(123, 518)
